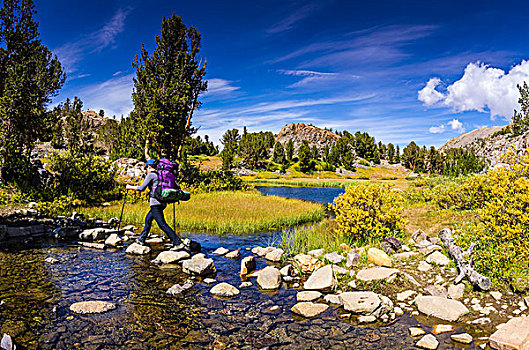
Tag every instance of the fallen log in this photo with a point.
(463, 261)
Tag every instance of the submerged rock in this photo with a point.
(220, 251)
(95, 234)
(224, 290)
(309, 309)
(177, 290)
(236, 254)
(463, 338)
(51, 260)
(92, 307)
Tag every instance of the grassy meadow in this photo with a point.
(223, 212)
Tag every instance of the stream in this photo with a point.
(36, 297)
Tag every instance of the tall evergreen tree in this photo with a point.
(279, 153)
(289, 149)
(230, 140)
(29, 77)
(304, 156)
(390, 153)
(167, 85)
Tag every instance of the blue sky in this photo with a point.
(401, 70)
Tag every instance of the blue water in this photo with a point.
(321, 195)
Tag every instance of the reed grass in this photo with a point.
(223, 212)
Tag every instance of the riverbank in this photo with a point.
(223, 212)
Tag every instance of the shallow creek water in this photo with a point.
(37, 297)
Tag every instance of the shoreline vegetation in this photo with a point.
(223, 212)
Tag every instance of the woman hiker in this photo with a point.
(157, 208)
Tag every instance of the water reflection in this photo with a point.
(313, 194)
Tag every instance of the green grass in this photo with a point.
(224, 212)
(298, 183)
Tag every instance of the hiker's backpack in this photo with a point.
(167, 190)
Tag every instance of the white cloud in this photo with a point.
(71, 53)
(428, 94)
(481, 88)
(437, 129)
(310, 77)
(289, 22)
(456, 125)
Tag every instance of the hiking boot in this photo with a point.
(143, 243)
(181, 246)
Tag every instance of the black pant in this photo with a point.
(156, 213)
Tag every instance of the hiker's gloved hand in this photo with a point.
(130, 187)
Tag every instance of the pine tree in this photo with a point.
(290, 151)
(29, 77)
(167, 85)
(304, 156)
(279, 153)
(230, 140)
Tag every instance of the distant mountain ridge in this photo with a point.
(489, 143)
(315, 136)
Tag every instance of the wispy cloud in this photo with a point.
(73, 52)
(113, 95)
(312, 77)
(289, 22)
(220, 87)
(384, 44)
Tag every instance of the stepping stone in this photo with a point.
(308, 309)
(416, 331)
(224, 290)
(220, 251)
(513, 335)
(138, 249)
(367, 319)
(199, 265)
(247, 284)
(333, 299)
(260, 251)
(248, 264)
(51, 260)
(442, 328)
(269, 278)
(170, 257)
(236, 254)
(308, 295)
(321, 279)
(113, 240)
(92, 307)
(275, 255)
(100, 246)
(376, 274)
(360, 302)
(443, 308)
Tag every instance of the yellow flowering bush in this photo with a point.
(368, 211)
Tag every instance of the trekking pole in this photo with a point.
(122, 207)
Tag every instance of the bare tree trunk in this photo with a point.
(147, 146)
(464, 261)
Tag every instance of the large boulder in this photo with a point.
(376, 274)
(224, 290)
(440, 307)
(269, 278)
(138, 249)
(95, 234)
(321, 279)
(171, 257)
(308, 309)
(360, 302)
(92, 307)
(199, 265)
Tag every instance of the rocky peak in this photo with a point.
(300, 131)
(485, 143)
